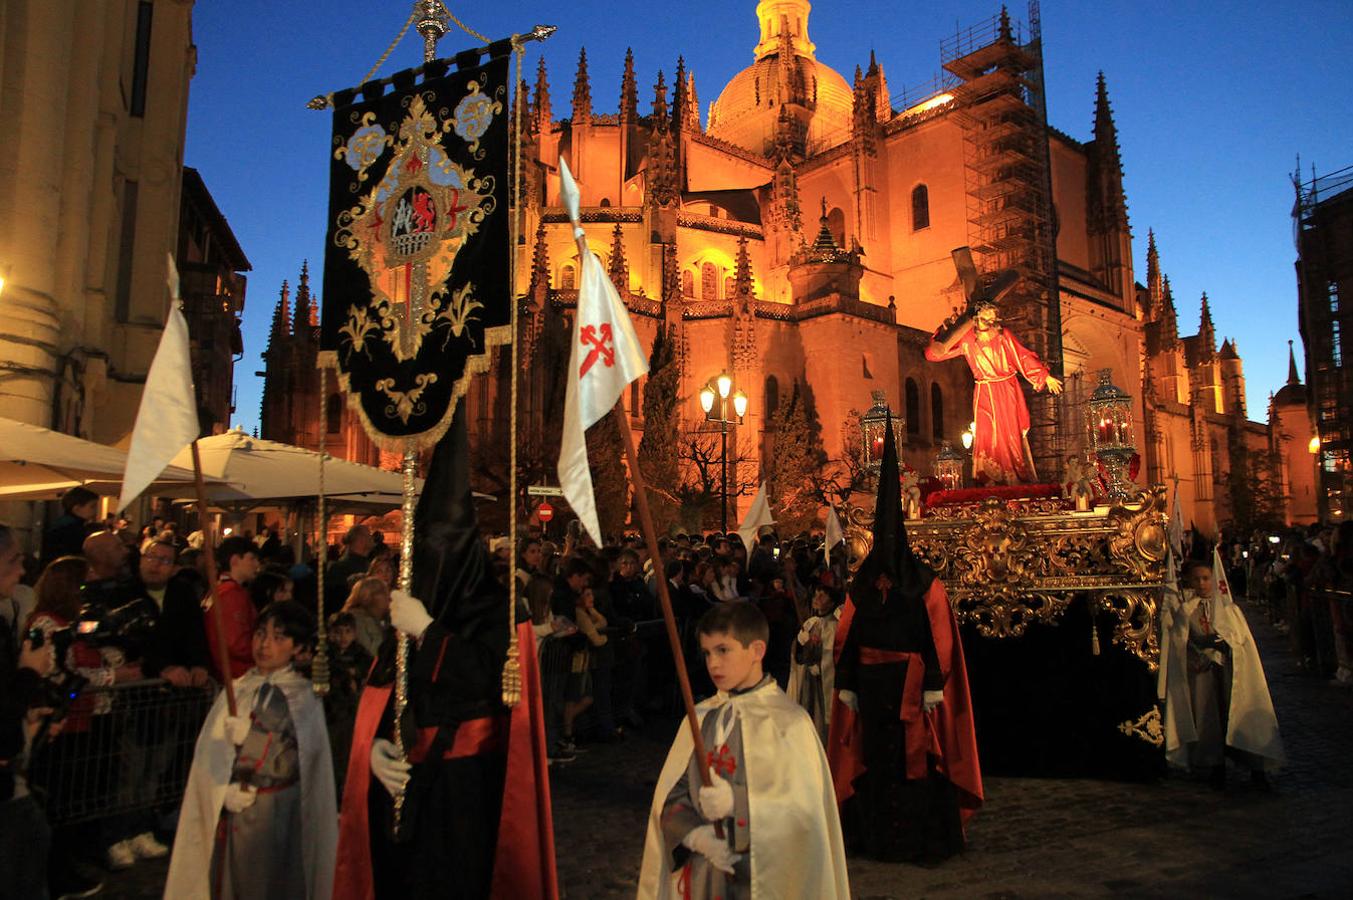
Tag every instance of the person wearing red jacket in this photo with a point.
(238, 559)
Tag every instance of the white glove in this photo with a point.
(931, 699)
(716, 801)
(850, 700)
(239, 797)
(704, 841)
(408, 614)
(390, 770)
(237, 728)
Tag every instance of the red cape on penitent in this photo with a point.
(523, 865)
(950, 728)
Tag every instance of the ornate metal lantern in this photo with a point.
(949, 466)
(1109, 419)
(872, 425)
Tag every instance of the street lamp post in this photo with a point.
(719, 391)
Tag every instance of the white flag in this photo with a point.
(172, 279)
(1175, 531)
(605, 358)
(834, 534)
(1220, 582)
(167, 420)
(757, 516)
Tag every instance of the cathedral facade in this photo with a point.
(798, 238)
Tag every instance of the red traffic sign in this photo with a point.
(544, 511)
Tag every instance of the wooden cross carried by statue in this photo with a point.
(1000, 451)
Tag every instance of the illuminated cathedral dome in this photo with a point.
(786, 94)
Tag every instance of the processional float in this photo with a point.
(1015, 559)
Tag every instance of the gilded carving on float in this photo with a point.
(1148, 728)
(1007, 564)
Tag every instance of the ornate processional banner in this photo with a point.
(416, 267)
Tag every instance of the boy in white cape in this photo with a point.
(771, 793)
(1217, 703)
(259, 820)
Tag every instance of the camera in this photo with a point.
(128, 627)
(57, 694)
(61, 639)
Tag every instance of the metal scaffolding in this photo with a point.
(1003, 110)
(1323, 219)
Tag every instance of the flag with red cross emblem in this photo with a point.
(605, 358)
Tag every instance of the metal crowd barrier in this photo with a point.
(122, 749)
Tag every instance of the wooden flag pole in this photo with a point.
(651, 541)
(209, 542)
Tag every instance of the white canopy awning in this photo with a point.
(40, 464)
(251, 471)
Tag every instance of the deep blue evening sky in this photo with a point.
(1213, 102)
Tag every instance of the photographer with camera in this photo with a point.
(24, 834)
(85, 657)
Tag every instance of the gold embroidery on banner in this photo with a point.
(358, 326)
(1148, 728)
(406, 231)
(459, 311)
(406, 403)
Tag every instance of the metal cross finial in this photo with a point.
(541, 32)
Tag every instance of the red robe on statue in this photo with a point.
(1000, 447)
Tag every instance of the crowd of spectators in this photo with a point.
(108, 609)
(606, 661)
(1303, 577)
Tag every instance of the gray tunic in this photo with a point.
(722, 735)
(258, 852)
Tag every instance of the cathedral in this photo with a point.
(797, 237)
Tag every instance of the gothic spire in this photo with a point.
(540, 111)
(692, 104)
(1005, 24)
(1154, 289)
(618, 268)
(660, 103)
(742, 269)
(1108, 160)
(300, 323)
(280, 315)
(1167, 316)
(582, 92)
(540, 262)
(1292, 365)
(1206, 332)
(679, 92)
(629, 90)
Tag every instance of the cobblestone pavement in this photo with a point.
(1035, 837)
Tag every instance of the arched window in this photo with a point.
(687, 283)
(709, 282)
(836, 224)
(913, 398)
(333, 414)
(936, 413)
(772, 396)
(920, 207)
(605, 202)
(566, 278)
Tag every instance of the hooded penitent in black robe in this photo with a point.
(475, 820)
(906, 779)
